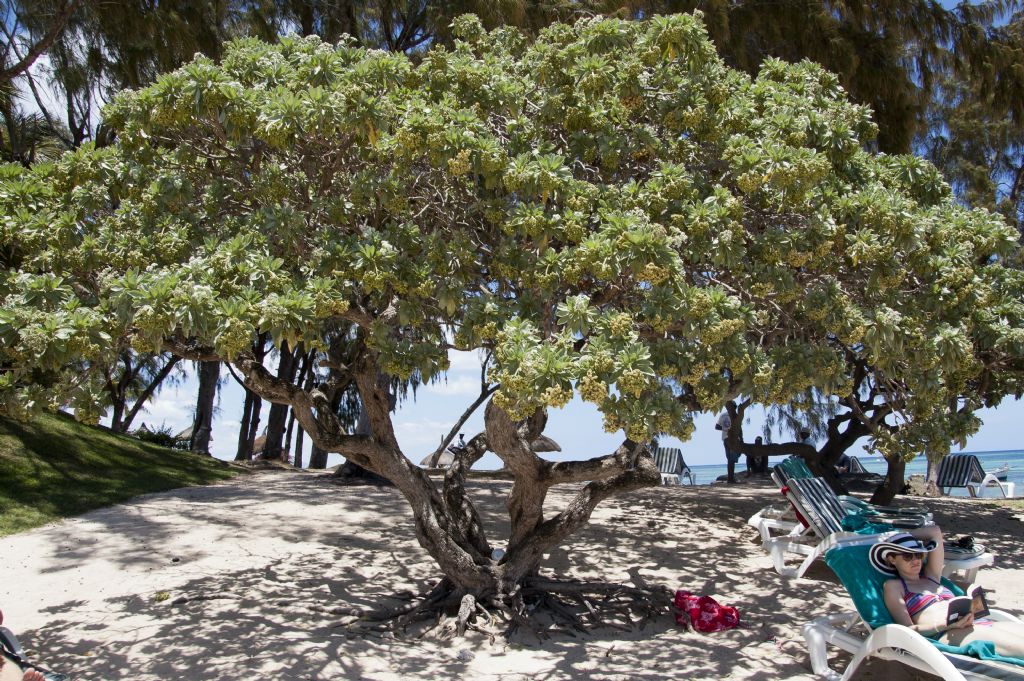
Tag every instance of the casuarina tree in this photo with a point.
(609, 209)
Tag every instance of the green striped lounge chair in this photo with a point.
(774, 521)
(965, 471)
(795, 467)
(828, 520)
(670, 463)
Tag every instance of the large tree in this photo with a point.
(609, 209)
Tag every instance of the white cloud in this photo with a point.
(464, 362)
(177, 415)
(451, 387)
(414, 436)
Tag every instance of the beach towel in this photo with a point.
(862, 524)
(704, 613)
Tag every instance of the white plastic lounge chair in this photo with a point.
(669, 461)
(964, 470)
(816, 504)
(869, 631)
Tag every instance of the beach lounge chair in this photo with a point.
(795, 467)
(870, 631)
(964, 470)
(776, 521)
(828, 521)
(673, 468)
(857, 467)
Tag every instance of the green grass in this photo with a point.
(54, 467)
(1014, 504)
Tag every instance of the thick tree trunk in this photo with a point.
(248, 429)
(116, 416)
(254, 426)
(287, 451)
(447, 524)
(317, 458)
(308, 376)
(202, 424)
(931, 476)
(892, 484)
(118, 392)
(244, 451)
(278, 416)
(350, 469)
(298, 447)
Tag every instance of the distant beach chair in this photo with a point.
(856, 467)
(671, 465)
(964, 470)
(828, 520)
(870, 631)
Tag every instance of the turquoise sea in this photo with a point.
(989, 461)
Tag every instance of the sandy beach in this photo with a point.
(256, 578)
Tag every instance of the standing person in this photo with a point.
(724, 424)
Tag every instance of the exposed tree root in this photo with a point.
(539, 608)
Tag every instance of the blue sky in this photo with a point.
(421, 423)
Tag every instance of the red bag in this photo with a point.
(705, 613)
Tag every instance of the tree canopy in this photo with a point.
(609, 208)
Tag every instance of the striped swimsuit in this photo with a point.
(917, 602)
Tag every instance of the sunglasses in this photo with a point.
(909, 556)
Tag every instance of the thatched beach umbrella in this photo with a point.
(446, 459)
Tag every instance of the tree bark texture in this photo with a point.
(248, 428)
(297, 459)
(244, 452)
(893, 483)
(202, 424)
(447, 523)
(317, 458)
(278, 417)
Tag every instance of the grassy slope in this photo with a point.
(54, 467)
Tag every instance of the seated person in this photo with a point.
(10, 669)
(843, 464)
(916, 599)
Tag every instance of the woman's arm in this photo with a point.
(936, 559)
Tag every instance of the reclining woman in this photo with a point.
(917, 599)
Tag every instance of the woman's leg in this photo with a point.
(1008, 637)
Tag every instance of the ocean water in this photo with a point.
(705, 475)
